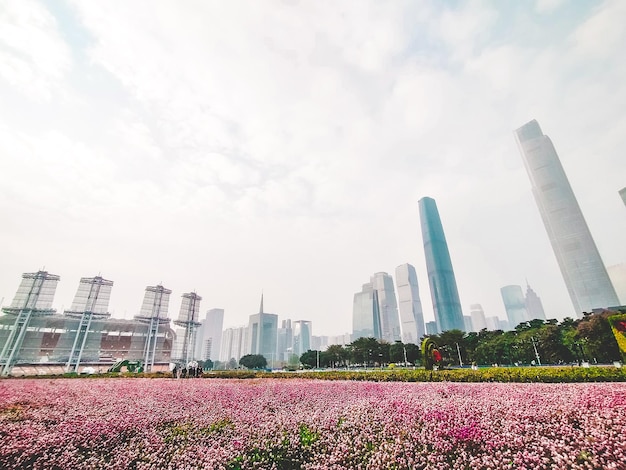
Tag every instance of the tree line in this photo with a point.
(588, 339)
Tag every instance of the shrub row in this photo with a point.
(493, 374)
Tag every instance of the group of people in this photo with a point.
(192, 369)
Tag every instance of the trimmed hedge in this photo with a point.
(492, 374)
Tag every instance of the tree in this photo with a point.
(309, 359)
(396, 352)
(597, 337)
(365, 350)
(413, 352)
(232, 363)
(253, 361)
(447, 345)
(337, 355)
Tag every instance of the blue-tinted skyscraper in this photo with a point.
(582, 268)
(515, 305)
(443, 290)
(366, 314)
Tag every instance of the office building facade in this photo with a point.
(581, 266)
(431, 328)
(443, 288)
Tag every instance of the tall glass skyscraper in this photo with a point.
(534, 307)
(302, 336)
(584, 273)
(366, 314)
(515, 305)
(263, 334)
(443, 290)
(479, 322)
(382, 283)
(411, 315)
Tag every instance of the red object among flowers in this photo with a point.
(436, 355)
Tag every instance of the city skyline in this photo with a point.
(229, 148)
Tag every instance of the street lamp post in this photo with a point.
(532, 338)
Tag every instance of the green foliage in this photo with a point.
(428, 349)
(569, 374)
(307, 436)
(253, 361)
(618, 327)
(309, 359)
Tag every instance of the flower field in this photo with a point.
(309, 424)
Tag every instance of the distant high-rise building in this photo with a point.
(234, 343)
(478, 317)
(302, 336)
(467, 321)
(387, 306)
(341, 340)
(410, 306)
(366, 314)
(493, 323)
(319, 343)
(209, 335)
(622, 192)
(262, 334)
(617, 274)
(443, 289)
(285, 341)
(515, 305)
(584, 273)
(534, 307)
(431, 328)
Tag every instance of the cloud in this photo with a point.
(229, 147)
(33, 55)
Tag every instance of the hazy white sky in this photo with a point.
(230, 147)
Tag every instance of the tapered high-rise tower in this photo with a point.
(443, 289)
(410, 306)
(584, 273)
